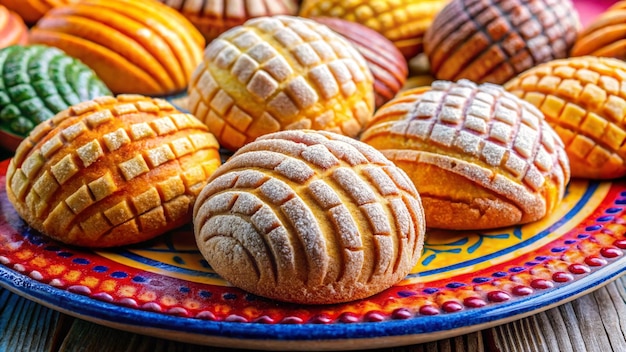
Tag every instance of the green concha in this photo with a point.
(37, 82)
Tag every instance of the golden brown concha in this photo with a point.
(487, 41)
(402, 22)
(605, 35)
(479, 156)
(213, 18)
(135, 46)
(310, 217)
(385, 61)
(584, 100)
(111, 171)
(281, 73)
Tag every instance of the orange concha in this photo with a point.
(135, 46)
(12, 28)
(605, 35)
(213, 18)
(32, 10)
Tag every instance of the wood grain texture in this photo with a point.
(594, 323)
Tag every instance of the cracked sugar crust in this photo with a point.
(584, 100)
(281, 73)
(482, 133)
(346, 225)
(112, 171)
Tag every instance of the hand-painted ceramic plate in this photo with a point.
(465, 281)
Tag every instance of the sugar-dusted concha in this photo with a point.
(310, 217)
(487, 41)
(214, 17)
(404, 22)
(135, 46)
(37, 82)
(385, 61)
(111, 171)
(279, 73)
(479, 156)
(605, 35)
(12, 28)
(584, 100)
(32, 10)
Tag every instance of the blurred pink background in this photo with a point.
(590, 9)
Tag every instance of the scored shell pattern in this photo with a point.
(32, 10)
(12, 28)
(584, 99)
(311, 217)
(487, 41)
(482, 133)
(605, 35)
(402, 22)
(95, 176)
(138, 46)
(37, 82)
(212, 18)
(281, 73)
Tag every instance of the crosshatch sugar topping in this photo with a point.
(99, 181)
(479, 134)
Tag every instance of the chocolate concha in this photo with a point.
(279, 73)
(213, 18)
(605, 35)
(402, 22)
(486, 41)
(479, 156)
(13, 31)
(584, 100)
(32, 10)
(135, 46)
(385, 61)
(310, 217)
(111, 171)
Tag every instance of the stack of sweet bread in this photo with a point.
(334, 168)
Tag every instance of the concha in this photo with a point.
(111, 171)
(480, 157)
(279, 73)
(584, 99)
(310, 217)
(135, 46)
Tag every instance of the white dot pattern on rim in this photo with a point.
(280, 73)
(309, 217)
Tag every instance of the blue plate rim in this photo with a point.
(100, 311)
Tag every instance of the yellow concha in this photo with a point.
(279, 73)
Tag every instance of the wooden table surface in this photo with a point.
(594, 322)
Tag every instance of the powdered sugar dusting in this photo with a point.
(353, 186)
(346, 228)
(307, 228)
(323, 194)
(276, 191)
(295, 170)
(320, 156)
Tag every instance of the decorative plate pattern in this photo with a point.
(465, 281)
